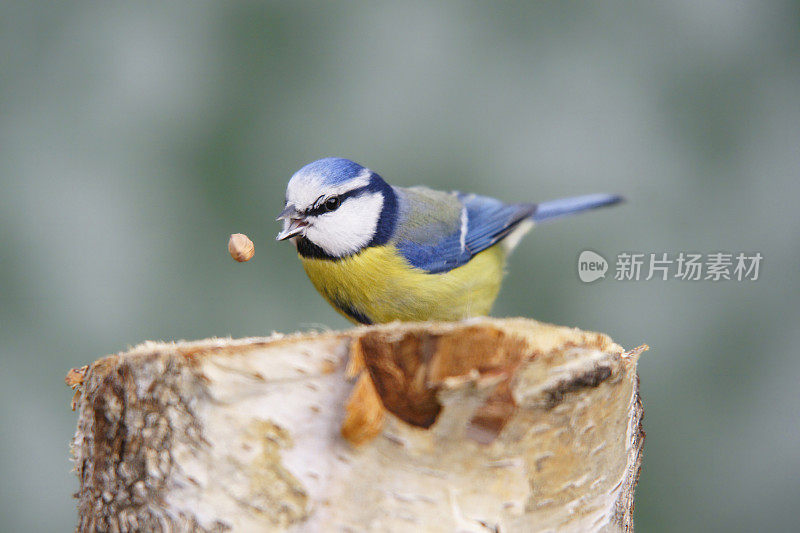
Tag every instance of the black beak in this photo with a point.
(294, 223)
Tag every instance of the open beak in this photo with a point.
(293, 223)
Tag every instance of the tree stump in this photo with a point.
(483, 425)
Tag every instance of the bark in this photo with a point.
(484, 425)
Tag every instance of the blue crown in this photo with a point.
(333, 170)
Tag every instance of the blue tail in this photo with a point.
(568, 206)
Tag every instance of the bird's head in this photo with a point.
(338, 206)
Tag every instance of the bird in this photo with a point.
(379, 253)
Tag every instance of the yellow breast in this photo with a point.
(378, 285)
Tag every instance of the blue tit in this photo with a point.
(379, 253)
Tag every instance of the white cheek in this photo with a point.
(349, 228)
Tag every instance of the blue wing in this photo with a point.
(440, 231)
(490, 221)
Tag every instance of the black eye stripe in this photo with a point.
(321, 209)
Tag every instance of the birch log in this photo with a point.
(484, 425)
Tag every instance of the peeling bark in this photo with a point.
(484, 425)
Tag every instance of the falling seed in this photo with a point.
(241, 247)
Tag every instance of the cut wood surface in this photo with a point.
(484, 425)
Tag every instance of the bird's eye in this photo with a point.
(332, 203)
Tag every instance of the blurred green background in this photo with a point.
(134, 139)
